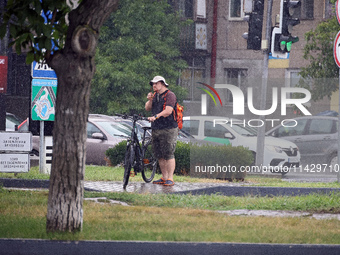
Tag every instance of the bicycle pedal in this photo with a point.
(146, 161)
(132, 174)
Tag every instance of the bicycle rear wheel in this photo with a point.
(128, 161)
(150, 163)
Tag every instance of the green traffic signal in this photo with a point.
(286, 43)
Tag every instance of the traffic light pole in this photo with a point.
(338, 173)
(262, 129)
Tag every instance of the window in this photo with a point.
(190, 127)
(91, 129)
(307, 9)
(214, 131)
(235, 9)
(321, 127)
(191, 76)
(292, 80)
(186, 8)
(237, 77)
(291, 131)
(201, 9)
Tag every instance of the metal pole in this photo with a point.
(3, 52)
(42, 153)
(214, 44)
(262, 129)
(338, 166)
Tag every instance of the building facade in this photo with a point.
(227, 60)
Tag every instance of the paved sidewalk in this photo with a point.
(222, 188)
(142, 187)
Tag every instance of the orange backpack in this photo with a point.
(177, 112)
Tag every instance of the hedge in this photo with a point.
(206, 161)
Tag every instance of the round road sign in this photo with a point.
(336, 50)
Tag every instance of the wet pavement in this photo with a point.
(221, 188)
(142, 187)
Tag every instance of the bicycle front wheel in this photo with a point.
(150, 163)
(128, 161)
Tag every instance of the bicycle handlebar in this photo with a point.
(134, 117)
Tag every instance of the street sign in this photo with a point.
(14, 141)
(336, 49)
(42, 70)
(3, 73)
(337, 10)
(43, 102)
(14, 163)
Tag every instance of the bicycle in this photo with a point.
(138, 155)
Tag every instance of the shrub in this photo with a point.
(199, 160)
(219, 162)
(116, 154)
(182, 156)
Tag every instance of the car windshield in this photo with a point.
(244, 130)
(11, 121)
(114, 128)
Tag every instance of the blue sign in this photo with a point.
(42, 70)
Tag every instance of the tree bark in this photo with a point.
(75, 68)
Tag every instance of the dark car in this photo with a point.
(315, 136)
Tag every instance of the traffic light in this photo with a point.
(282, 38)
(290, 16)
(255, 24)
(283, 43)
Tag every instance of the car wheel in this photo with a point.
(34, 153)
(284, 172)
(333, 160)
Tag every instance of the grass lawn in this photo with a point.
(105, 173)
(23, 215)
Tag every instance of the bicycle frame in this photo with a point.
(135, 156)
(133, 141)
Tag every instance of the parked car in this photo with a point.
(102, 134)
(328, 113)
(278, 153)
(12, 122)
(316, 137)
(182, 136)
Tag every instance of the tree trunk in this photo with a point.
(75, 68)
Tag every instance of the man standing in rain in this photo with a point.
(164, 128)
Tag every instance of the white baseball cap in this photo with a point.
(157, 79)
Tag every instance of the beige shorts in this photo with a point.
(164, 143)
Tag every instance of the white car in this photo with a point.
(279, 154)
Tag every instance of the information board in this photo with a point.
(12, 163)
(14, 141)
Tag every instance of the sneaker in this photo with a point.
(169, 183)
(160, 181)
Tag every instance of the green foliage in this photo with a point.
(227, 158)
(140, 40)
(189, 156)
(320, 76)
(182, 156)
(28, 29)
(116, 154)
